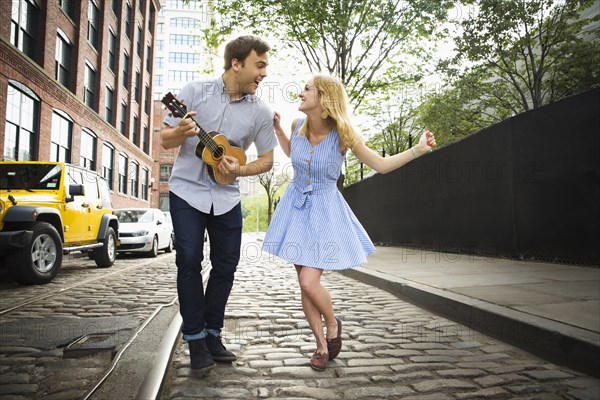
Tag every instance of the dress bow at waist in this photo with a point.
(308, 191)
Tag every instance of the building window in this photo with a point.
(108, 156)
(116, 6)
(144, 184)
(23, 26)
(68, 7)
(183, 76)
(93, 23)
(135, 171)
(60, 142)
(148, 58)
(123, 173)
(87, 157)
(135, 132)
(89, 90)
(64, 51)
(147, 99)
(112, 46)
(128, 21)
(160, 44)
(145, 141)
(163, 201)
(184, 58)
(22, 116)
(136, 87)
(126, 71)
(188, 40)
(185, 5)
(158, 80)
(151, 17)
(109, 104)
(186, 23)
(165, 172)
(138, 43)
(123, 129)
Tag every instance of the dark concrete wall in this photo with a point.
(526, 187)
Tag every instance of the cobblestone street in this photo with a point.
(81, 300)
(392, 350)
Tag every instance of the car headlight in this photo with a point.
(139, 233)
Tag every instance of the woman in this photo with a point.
(313, 226)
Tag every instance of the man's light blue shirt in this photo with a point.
(243, 121)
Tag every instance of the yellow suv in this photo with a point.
(48, 209)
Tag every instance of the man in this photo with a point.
(227, 105)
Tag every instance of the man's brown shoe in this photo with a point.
(335, 345)
(318, 361)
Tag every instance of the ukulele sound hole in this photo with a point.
(218, 153)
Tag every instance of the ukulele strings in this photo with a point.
(208, 140)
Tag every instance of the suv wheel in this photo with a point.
(105, 256)
(39, 261)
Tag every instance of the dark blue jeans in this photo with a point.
(198, 309)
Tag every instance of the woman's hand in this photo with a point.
(427, 141)
(277, 121)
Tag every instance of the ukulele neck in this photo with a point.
(204, 137)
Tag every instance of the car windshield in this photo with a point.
(30, 176)
(129, 216)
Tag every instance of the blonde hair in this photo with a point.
(334, 101)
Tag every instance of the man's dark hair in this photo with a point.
(241, 47)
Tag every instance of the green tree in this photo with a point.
(353, 40)
(249, 205)
(527, 49)
(468, 105)
(392, 116)
(513, 56)
(271, 182)
(392, 112)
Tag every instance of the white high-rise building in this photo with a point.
(180, 53)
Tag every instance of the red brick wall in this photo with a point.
(160, 155)
(14, 65)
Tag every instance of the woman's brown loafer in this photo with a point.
(318, 361)
(335, 345)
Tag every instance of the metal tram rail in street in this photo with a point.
(53, 292)
(86, 317)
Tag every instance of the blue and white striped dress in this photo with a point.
(313, 225)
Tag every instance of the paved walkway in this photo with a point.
(392, 348)
(552, 310)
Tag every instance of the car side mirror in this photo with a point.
(75, 190)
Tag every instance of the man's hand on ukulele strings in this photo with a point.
(187, 127)
(229, 166)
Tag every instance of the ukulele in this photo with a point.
(212, 146)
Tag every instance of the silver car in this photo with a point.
(144, 230)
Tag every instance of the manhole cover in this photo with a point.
(90, 344)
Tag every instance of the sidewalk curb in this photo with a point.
(551, 340)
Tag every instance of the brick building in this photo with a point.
(76, 86)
